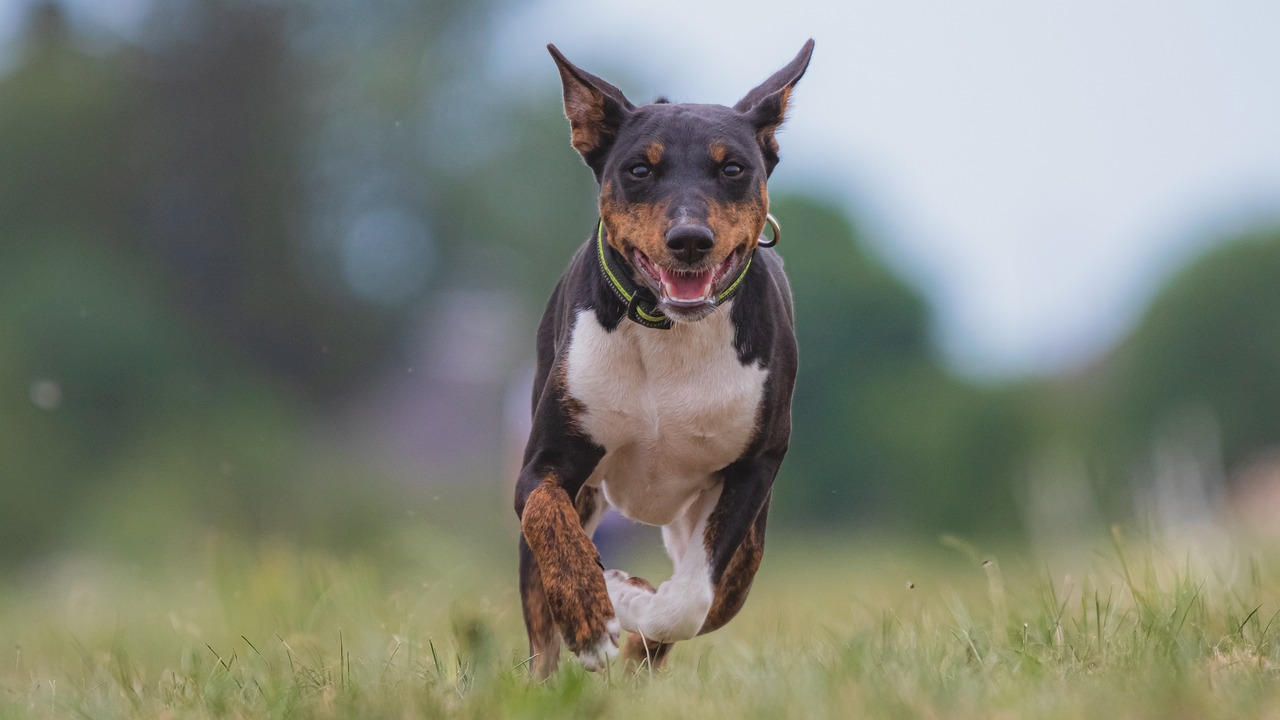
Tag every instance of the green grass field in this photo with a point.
(836, 627)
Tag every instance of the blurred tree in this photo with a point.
(1208, 347)
(858, 328)
(883, 433)
(166, 325)
(216, 108)
(60, 157)
(227, 228)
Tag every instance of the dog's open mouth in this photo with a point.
(679, 289)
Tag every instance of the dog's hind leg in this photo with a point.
(544, 638)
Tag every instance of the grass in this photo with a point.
(835, 628)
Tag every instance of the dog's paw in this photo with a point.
(624, 593)
(614, 580)
(597, 655)
(621, 584)
(619, 592)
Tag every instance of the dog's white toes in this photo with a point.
(620, 591)
(596, 657)
(614, 582)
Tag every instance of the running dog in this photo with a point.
(666, 362)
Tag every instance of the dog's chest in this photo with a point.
(669, 407)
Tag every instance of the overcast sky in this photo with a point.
(1038, 168)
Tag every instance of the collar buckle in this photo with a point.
(643, 309)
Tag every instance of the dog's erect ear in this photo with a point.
(595, 110)
(766, 105)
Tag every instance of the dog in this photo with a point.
(666, 360)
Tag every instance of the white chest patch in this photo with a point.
(669, 407)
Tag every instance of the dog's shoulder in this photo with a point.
(764, 316)
(764, 333)
(580, 286)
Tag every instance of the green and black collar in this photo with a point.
(642, 306)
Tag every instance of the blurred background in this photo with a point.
(274, 268)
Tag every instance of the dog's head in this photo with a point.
(683, 193)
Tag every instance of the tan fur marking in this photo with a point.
(736, 224)
(767, 139)
(718, 152)
(568, 564)
(644, 226)
(640, 225)
(653, 152)
(584, 106)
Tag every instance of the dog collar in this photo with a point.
(642, 306)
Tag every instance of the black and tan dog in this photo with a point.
(666, 361)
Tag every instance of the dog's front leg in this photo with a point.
(735, 533)
(562, 580)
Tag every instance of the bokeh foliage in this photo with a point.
(189, 218)
(1210, 343)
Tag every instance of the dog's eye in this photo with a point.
(640, 170)
(731, 170)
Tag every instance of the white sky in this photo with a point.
(1037, 167)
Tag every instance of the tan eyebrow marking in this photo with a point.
(718, 152)
(653, 151)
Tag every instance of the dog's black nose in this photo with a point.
(690, 243)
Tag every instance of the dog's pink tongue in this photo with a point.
(686, 287)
